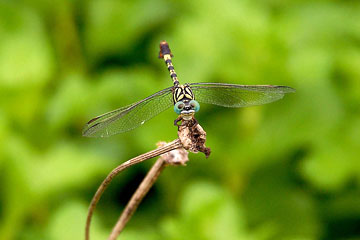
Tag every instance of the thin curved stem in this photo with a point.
(161, 150)
(135, 200)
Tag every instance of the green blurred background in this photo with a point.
(287, 170)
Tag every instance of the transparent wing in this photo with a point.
(234, 95)
(129, 117)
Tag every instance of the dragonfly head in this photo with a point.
(186, 108)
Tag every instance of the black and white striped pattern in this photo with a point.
(182, 93)
(171, 69)
(165, 53)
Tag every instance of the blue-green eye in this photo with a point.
(178, 107)
(195, 105)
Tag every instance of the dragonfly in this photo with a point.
(185, 100)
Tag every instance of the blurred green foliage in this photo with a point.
(287, 170)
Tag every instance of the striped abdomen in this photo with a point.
(165, 53)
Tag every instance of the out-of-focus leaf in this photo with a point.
(25, 53)
(69, 103)
(68, 221)
(271, 199)
(64, 167)
(103, 17)
(207, 212)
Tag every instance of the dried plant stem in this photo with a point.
(175, 157)
(136, 198)
(161, 150)
(192, 138)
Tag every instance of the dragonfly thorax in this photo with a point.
(182, 93)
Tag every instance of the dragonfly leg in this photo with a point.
(195, 122)
(177, 120)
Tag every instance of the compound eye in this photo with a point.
(179, 106)
(194, 105)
